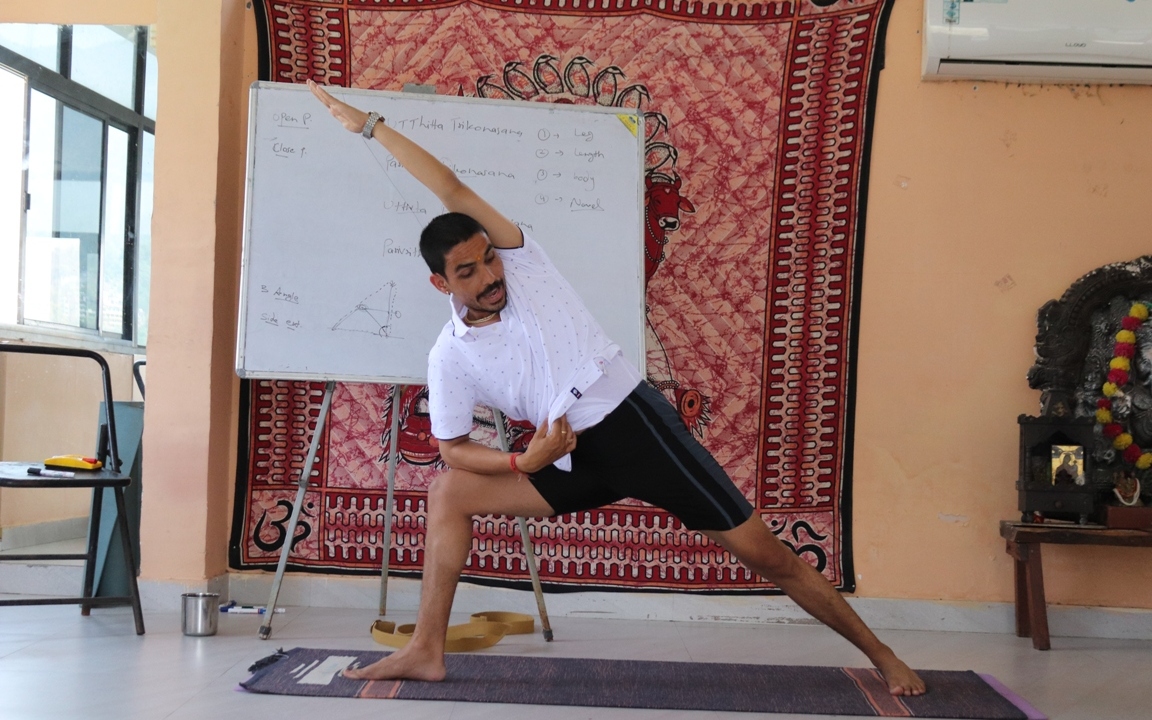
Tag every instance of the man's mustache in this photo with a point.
(494, 286)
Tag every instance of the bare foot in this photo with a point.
(902, 680)
(408, 663)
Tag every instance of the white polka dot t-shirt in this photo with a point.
(546, 357)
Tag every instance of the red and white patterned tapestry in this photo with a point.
(757, 119)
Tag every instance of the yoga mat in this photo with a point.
(646, 684)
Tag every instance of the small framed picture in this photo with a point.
(1068, 465)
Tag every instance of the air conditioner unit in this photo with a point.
(1069, 41)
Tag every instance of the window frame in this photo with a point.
(132, 121)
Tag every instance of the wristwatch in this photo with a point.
(370, 124)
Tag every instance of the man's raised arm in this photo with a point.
(433, 174)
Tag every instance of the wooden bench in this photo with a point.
(1024, 541)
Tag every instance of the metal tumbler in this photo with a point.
(200, 613)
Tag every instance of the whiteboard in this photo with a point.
(333, 286)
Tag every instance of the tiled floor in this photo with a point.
(56, 664)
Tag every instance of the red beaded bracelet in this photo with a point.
(512, 462)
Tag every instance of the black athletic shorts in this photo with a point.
(642, 450)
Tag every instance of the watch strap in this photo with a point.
(370, 124)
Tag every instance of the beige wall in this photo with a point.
(238, 70)
(63, 12)
(204, 72)
(986, 201)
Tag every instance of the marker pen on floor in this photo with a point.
(44, 472)
(247, 609)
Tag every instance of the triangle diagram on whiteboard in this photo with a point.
(373, 315)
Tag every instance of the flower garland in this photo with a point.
(1119, 368)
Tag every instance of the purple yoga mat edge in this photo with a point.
(1010, 696)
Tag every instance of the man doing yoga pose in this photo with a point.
(520, 340)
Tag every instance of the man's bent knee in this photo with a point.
(444, 491)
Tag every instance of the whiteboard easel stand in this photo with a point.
(397, 389)
(270, 611)
(525, 539)
(393, 461)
